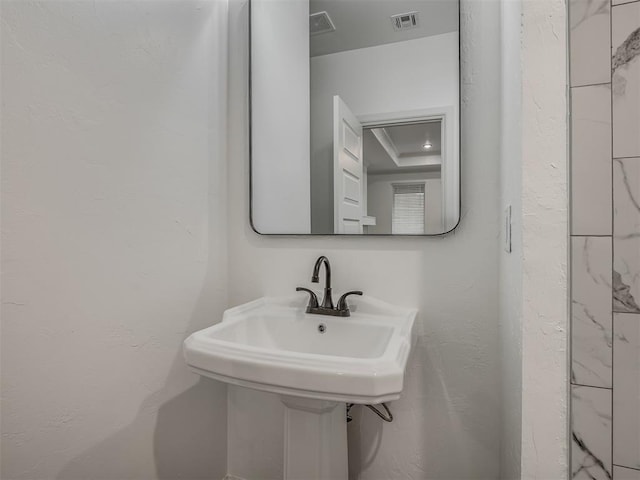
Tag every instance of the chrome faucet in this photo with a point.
(327, 308)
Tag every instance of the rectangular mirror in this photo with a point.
(355, 116)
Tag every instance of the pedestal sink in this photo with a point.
(315, 363)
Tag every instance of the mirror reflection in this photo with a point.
(355, 116)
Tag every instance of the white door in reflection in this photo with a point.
(348, 172)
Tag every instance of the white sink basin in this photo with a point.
(271, 344)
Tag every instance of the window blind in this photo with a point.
(407, 216)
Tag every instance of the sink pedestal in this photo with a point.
(315, 439)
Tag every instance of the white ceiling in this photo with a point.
(408, 141)
(367, 23)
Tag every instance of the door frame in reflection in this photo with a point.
(450, 154)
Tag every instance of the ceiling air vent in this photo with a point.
(404, 21)
(320, 22)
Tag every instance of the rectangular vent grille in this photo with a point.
(404, 21)
(320, 22)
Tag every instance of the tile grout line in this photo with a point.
(613, 210)
(577, 235)
(628, 468)
(599, 84)
(624, 3)
(570, 206)
(613, 231)
(590, 386)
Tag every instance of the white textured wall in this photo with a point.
(385, 79)
(533, 278)
(511, 263)
(113, 242)
(447, 423)
(544, 240)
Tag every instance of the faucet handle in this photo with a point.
(313, 299)
(342, 303)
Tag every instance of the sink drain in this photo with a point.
(322, 328)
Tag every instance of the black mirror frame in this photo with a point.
(374, 235)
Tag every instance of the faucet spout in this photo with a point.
(327, 301)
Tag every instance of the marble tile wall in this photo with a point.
(605, 243)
